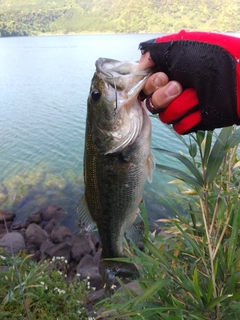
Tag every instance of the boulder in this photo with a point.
(51, 224)
(53, 211)
(87, 268)
(59, 233)
(35, 217)
(13, 242)
(46, 248)
(62, 250)
(95, 240)
(20, 225)
(2, 232)
(6, 216)
(36, 235)
(31, 248)
(82, 245)
(97, 257)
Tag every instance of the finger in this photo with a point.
(156, 81)
(165, 95)
(187, 124)
(145, 62)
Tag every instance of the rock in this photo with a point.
(35, 217)
(94, 297)
(87, 268)
(95, 240)
(49, 227)
(61, 250)
(71, 271)
(59, 233)
(133, 286)
(36, 235)
(97, 257)
(8, 224)
(31, 248)
(13, 242)
(36, 256)
(20, 225)
(6, 215)
(53, 211)
(82, 245)
(46, 248)
(2, 232)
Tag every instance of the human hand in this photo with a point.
(158, 85)
(208, 67)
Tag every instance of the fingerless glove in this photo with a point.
(208, 67)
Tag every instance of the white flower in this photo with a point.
(78, 275)
(42, 283)
(61, 291)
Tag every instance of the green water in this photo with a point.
(44, 85)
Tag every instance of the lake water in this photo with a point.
(44, 83)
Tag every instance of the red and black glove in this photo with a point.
(208, 67)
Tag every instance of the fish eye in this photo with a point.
(96, 95)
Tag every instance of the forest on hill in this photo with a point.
(120, 16)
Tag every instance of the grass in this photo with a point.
(191, 269)
(32, 290)
(190, 266)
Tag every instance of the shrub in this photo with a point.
(191, 269)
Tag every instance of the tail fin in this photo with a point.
(110, 269)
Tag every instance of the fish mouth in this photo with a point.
(122, 75)
(122, 85)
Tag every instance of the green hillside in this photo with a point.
(36, 17)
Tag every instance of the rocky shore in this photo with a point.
(43, 236)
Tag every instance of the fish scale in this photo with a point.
(117, 162)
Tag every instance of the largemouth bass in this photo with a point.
(117, 161)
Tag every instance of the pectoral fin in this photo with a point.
(150, 166)
(84, 219)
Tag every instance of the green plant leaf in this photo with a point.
(190, 243)
(217, 154)
(176, 173)
(234, 139)
(214, 302)
(151, 291)
(207, 146)
(200, 135)
(190, 166)
(192, 149)
(233, 238)
(157, 253)
(196, 284)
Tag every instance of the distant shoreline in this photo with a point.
(110, 33)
